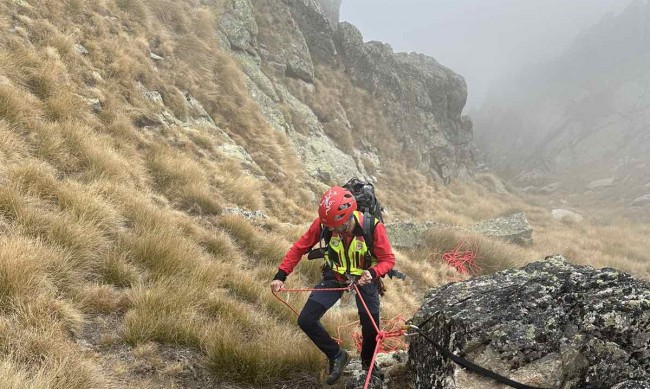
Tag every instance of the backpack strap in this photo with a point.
(326, 235)
(369, 223)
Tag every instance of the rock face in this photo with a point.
(279, 44)
(331, 10)
(549, 324)
(424, 101)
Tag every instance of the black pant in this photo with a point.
(320, 302)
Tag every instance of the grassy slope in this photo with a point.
(118, 266)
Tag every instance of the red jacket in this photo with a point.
(381, 249)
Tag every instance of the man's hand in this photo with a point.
(276, 285)
(365, 278)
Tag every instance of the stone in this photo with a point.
(527, 323)
(250, 215)
(641, 201)
(550, 188)
(196, 112)
(632, 385)
(409, 235)
(563, 214)
(155, 57)
(238, 26)
(298, 68)
(331, 9)
(80, 50)
(315, 27)
(602, 183)
(512, 228)
(154, 96)
(95, 105)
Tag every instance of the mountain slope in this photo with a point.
(147, 192)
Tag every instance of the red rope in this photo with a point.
(302, 290)
(381, 335)
(463, 261)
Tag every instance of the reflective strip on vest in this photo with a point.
(352, 262)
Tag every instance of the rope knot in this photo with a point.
(381, 335)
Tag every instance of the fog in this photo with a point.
(483, 40)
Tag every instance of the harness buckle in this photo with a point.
(351, 280)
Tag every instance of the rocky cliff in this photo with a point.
(347, 105)
(581, 117)
(549, 324)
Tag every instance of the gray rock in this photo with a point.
(154, 96)
(238, 25)
(355, 377)
(322, 159)
(250, 215)
(298, 68)
(155, 57)
(290, 55)
(331, 10)
(196, 112)
(409, 235)
(563, 214)
(641, 201)
(602, 183)
(550, 188)
(80, 50)
(528, 323)
(632, 385)
(315, 27)
(513, 228)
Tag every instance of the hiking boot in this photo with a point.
(336, 366)
(376, 370)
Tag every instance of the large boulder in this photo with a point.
(513, 228)
(549, 324)
(409, 235)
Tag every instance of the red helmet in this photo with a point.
(336, 207)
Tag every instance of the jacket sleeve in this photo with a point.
(382, 251)
(301, 247)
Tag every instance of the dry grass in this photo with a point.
(165, 312)
(257, 246)
(269, 360)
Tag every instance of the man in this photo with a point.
(347, 258)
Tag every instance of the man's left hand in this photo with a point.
(365, 278)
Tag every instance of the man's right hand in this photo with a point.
(276, 285)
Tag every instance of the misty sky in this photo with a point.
(480, 39)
